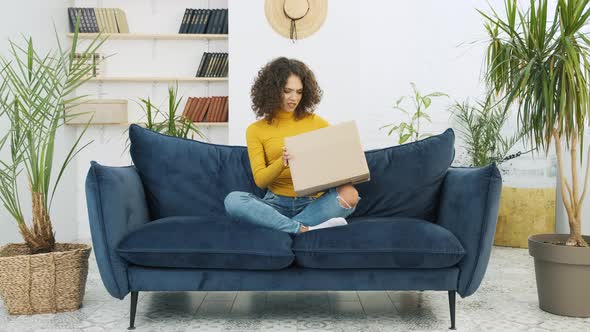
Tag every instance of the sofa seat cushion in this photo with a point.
(206, 242)
(378, 242)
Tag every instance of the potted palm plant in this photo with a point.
(541, 64)
(39, 275)
(523, 210)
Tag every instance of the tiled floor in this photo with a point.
(506, 301)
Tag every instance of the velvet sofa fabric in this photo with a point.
(470, 201)
(116, 206)
(206, 242)
(413, 197)
(377, 242)
(294, 278)
(184, 177)
(406, 179)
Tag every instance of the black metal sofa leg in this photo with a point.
(133, 310)
(452, 307)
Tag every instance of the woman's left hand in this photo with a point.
(286, 157)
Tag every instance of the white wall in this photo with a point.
(364, 56)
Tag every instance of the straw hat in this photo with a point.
(296, 19)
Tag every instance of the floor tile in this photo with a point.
(505, 301)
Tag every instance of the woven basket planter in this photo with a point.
(43, 283)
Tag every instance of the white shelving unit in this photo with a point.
(158, 79)
(150, 36)
(143, 62)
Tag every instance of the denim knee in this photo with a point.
(232, 202)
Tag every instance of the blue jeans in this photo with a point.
(285, 213)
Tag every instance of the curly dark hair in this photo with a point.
(266, 92)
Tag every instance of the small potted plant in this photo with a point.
(541, 64)
(411, 131)
(39, 275)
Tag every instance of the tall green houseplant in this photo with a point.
(543, 67)
(35, 93)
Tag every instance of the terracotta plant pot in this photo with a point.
(43, 283)
(563, 275)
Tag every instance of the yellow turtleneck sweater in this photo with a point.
(265, 149)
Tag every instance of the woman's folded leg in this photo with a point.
(248, 207)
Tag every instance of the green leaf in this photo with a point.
(404, 138)
(426, 101)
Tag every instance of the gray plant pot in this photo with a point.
(563, 275)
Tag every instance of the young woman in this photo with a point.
(284, 95)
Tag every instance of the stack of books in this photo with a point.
(206, 109)
(93, 20)
(204, 21)
(89, 60)
(213, 65)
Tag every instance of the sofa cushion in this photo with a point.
(206, 242)
(376, 242)
(406, 179)
(183, 177)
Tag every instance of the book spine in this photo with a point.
(223, 64)
(223, 72)
(218, 61)
(198, 18)
(202, 65)
(197, 108)
(121, 18)
(192, 28)
(112, 21)
(183, 23)
(187, 106)
(93, 20)
(211, 111)
(206, 107)
(224, 117)
(208, 64)
(217, 69)
(212, 64)
(219, 25)
(225, 29)
(205, 21)
(83, 20)
(99, 18)
(72, 18)
(211, 21)
(219, 113)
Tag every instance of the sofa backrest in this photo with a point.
(406, 179)
(183, 177)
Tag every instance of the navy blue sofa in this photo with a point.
(160, 225)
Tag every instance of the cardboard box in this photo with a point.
(105, 111)
(326, 158)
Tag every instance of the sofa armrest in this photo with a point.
(116, 205)
(468, 208)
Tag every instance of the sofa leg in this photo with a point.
(452, 307)
(133, 310)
